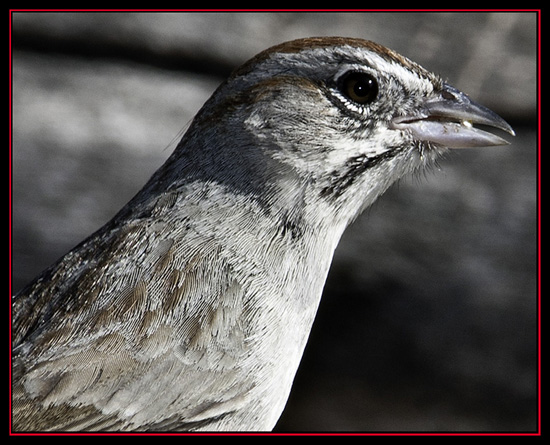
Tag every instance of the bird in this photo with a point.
(191, 308)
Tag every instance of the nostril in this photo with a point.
(446, 94)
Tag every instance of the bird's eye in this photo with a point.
(361, 88)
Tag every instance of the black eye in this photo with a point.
(361, 88)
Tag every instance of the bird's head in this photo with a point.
(347, 117)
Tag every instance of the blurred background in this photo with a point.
(429, 317)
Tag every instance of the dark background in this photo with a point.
(429, 317)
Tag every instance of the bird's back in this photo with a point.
(153, 323)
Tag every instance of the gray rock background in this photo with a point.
(429, 317)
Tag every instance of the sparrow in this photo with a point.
(191, 308)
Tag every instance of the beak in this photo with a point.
(448, 121)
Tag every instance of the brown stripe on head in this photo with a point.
(310, 43)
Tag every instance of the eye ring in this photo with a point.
(359, 87)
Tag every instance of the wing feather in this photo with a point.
(132, 337)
